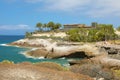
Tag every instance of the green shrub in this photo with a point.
(118, 28)
(117, 73)
(101, 33)
(8, 62)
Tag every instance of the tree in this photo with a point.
(51, 25)
(77, 34)
(107, 31)
(73, 35)
(45, 26)
(92, 35)
(28, 34)
(101, 33)
(57, 26)
(83, 33)
(39, 25)
(118, 28)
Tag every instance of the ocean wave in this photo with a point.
(42, 57)
(4, 45)
(62, 58)
(34, 49)
(7, 45)
(66, 65)
(28, 56)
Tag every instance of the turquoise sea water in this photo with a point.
(13, 53)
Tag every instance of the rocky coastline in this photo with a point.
(50, 49)
(91, 53)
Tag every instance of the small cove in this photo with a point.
(14, 54)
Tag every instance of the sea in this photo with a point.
(15, 54)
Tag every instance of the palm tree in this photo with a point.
(39, 25)
(51, 25)
(45, 26)
(57, 26)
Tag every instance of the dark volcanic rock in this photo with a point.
(113, 52)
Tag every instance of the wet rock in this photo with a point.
(38, 53)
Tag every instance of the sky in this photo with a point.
(19, 16)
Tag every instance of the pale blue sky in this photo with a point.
(19, 16)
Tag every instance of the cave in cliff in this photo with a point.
(78, 55)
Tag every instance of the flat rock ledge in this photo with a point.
(31, 72)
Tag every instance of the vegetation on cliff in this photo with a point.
(118, 28)
(101, 33)
(51, 25)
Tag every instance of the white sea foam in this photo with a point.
(66, 65)
(28, 56)
(42, 57)
(7, 45)
(34, 49)
(4, 45)
(62, 58)
(24, 53)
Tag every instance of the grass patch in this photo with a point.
(7, 62)
(117, 73)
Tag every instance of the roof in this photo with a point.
(73, 24)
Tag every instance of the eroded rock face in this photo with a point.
(113, 52)
(32, 43)
(31, 72)
(50, 49)
(49, 54)
(84, 51)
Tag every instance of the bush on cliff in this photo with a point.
(117, 73)
(101, 33)
(7, 62)
(118, 28)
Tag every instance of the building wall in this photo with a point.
(75, 26)
(69, 27)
